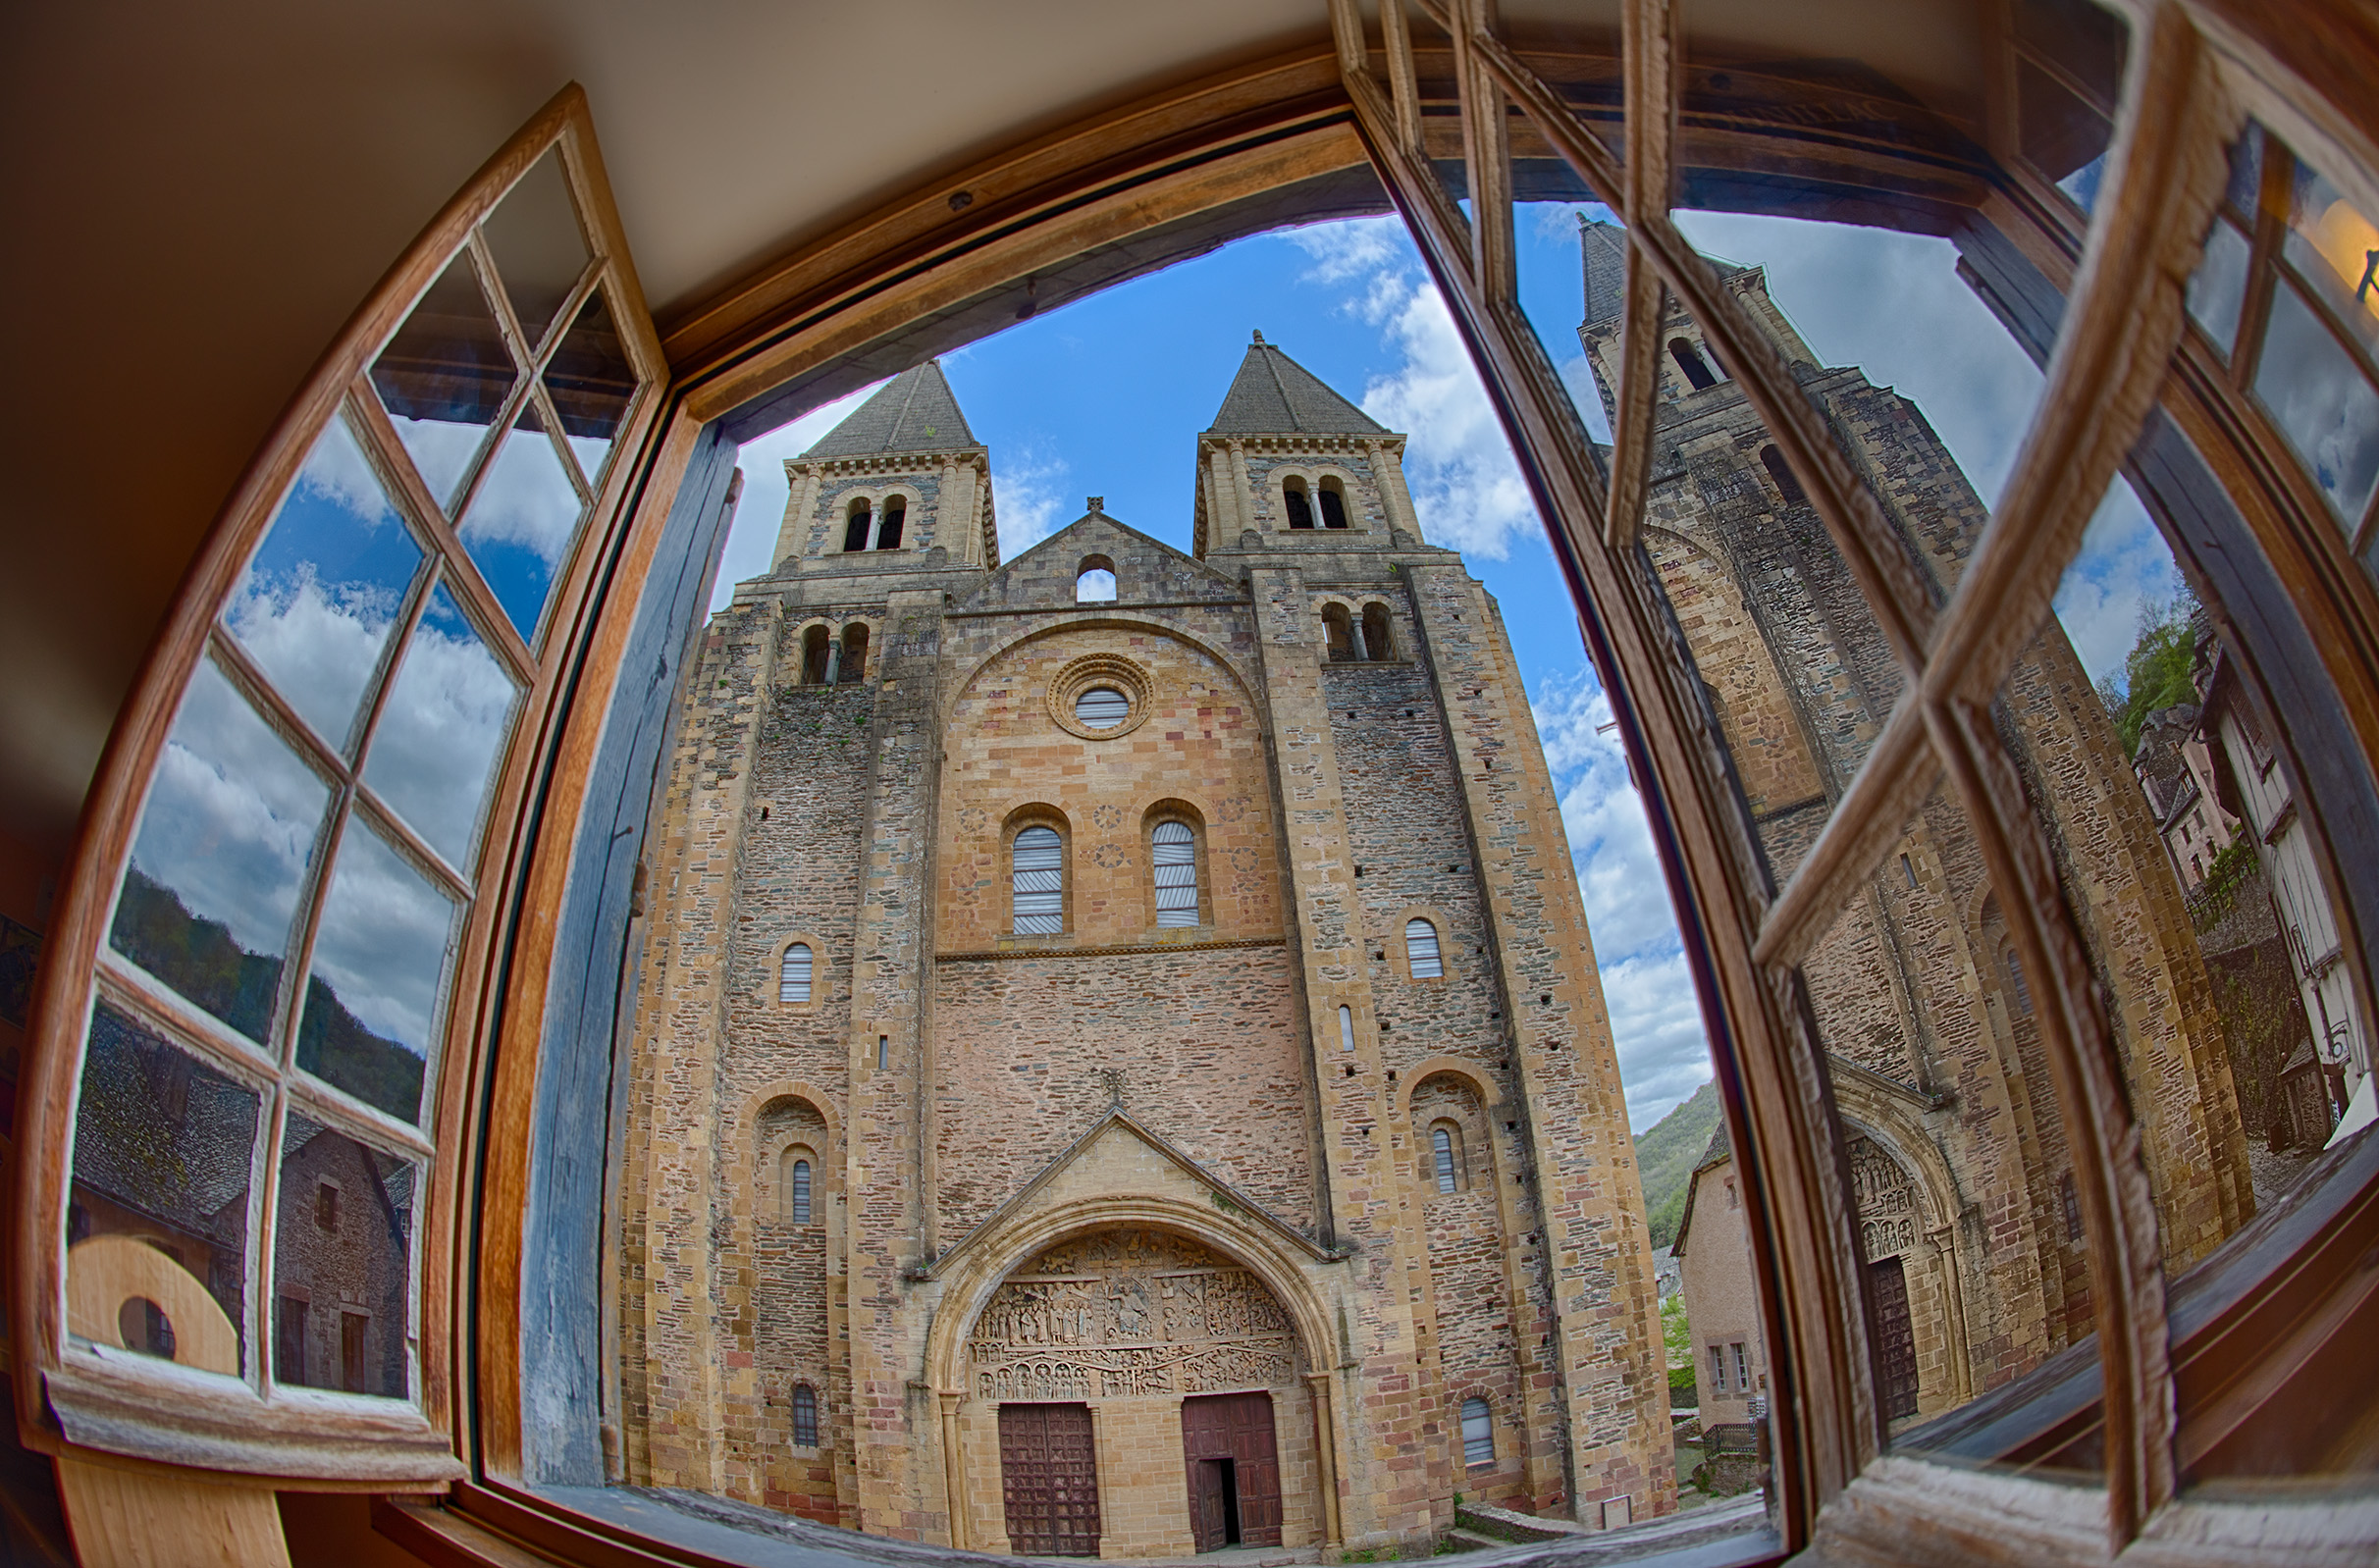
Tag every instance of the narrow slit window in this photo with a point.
(1479, 1433)
(856, 527)
(1039, 882)
(793, 980)
(2017, 985)
(1441, 1137)
(804, 1416)
(896, 519)
(815, 655)
(797, 1190)
(1334, 504)
(1689, 360)
(1176, 860)
(1346, 1029)
(1421, 949)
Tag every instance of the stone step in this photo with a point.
(1458, 1540)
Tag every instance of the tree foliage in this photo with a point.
(2156, 671)
(1666, 1154)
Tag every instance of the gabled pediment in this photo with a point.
(1145, 569)
(1120, 1155)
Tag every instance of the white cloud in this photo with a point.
(2124, 565)
(1028, 499)
(320, 646)
(1352, 247)
(526, 499)
(1655, 1022)
(751, 549)
(445, 720)
(383, 942)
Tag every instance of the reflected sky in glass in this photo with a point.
(441, 729)
(380, 951)
(315, 605)
(2320, 402)
(222, 853)
(444, 378)
(592, 384)
(520, 521)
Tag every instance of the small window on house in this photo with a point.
(1441, 1138)
(1479, 1433)
(2016, 984)
(1718, 1369)
(2072, 1202)
(1039, 882)
(1421, 949)
(1101, 708)
(853, 666)
(326, 1206)
(1689, 360)
(1375, 632)
(1742, 1367)
(795, 1177)
(1338, 633)
(1788, 486)
(793, 979)
(856, 528)
(1175, 857)
(1346, 1029)
(1300, 506)
(354, 1326)
(896, 518)
(288, 1342)
(1334, 503)
(816, 646)
(804, 1416)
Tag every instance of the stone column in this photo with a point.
(801, 503)
(1325, 1452)
(954, 1470)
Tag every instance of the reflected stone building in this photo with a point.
(1959, 1159)
(1119, 1075)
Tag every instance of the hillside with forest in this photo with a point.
(1665, 1153)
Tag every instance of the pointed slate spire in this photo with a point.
(915, 412)
(1603, 248)
(1275, 396)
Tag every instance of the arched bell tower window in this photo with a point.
(817, 644)
(1780, 471)
(1334, 503)
(896, 518)
(1689, 360)
(1376, 643)
(857, 526)
(1300, 505)
(1037, 882)
(793, 1185)
(1338, 633)
(853, 666)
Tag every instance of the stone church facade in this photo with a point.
(1958, 1159)
(1118, 1076)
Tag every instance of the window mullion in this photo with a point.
(1649, 63)
(2263, 262)
(1898, 774)
(126, 985)
(333, 1108)
(1487, 156)
(1403, 83)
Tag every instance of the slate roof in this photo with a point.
(1275, 396)
(1603, 250)
(915, 412)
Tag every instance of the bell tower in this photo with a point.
(901, 478)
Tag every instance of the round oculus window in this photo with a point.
(1101, 708)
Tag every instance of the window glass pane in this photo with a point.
(793, 985)
(540, 252)
(1101, 708)
(1421, 949)
(432, 755)
(444, 378)
(1040, 882)
(1175, 863)
(520, 521)
(315, 605)
(2335, 248)
(591, 383)
(1977, 1283)
(163, 1150)
(2323, 403)
(374, 1000)
(341, 1262)
(213, 887)
(2218, 291)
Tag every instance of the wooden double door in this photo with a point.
(1048, 1470)
(1235, 1471)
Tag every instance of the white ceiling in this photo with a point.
(197, 196)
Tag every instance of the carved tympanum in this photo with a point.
(1128, 1314)
(1886, 1200)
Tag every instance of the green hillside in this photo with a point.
(1666, 1154)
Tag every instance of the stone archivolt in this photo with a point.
(1129, 1315)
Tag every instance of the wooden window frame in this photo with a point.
(910, 276)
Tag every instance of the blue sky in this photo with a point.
(1105, 396)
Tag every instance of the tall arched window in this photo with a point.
(1300, 506)
(1175, 856)
(815, 645)
(1375, 632)
(1334, 503)
(793, 1187)
(856, 527)
(2015, 983)
(1479, 1433)
(1421, 949)
(1037, 882)
(896, 517)
(1689, 360)
(854, 663)
(1449, 1162)
(1338, 633)
(1780, 471)
(793, 979)
(804, 1416)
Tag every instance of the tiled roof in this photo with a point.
(915, 412)
(1275, 396)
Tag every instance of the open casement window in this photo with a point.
(268, 1006)
(2108, 135)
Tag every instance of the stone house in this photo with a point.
(1119, 1064)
